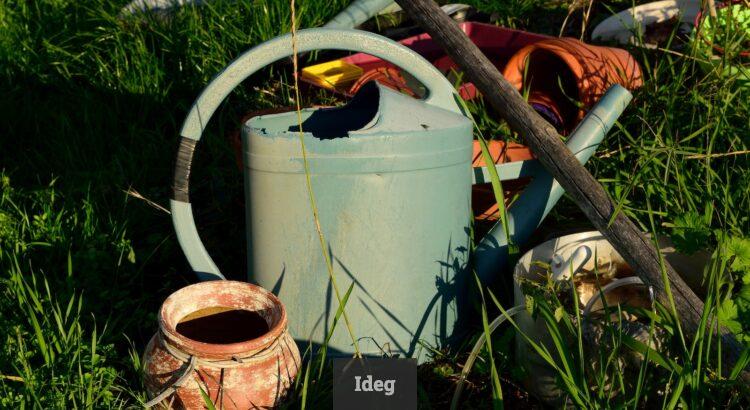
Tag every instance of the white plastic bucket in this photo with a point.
(541, 381)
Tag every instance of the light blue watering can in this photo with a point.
(392, 178)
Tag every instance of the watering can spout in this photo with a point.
(526, 213)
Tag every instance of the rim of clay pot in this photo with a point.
(222, 294)
(583, 61)
(515, 69)
(554, 47)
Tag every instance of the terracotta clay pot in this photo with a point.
(482, 197)
(585, 72)
(541, 379)
(235, 335)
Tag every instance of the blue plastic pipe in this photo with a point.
(357, 13)
(533, 205)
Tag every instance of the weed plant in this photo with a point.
(90, 108)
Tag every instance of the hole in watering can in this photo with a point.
(330, 123)
(222, 325)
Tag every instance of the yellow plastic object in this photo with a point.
(332, 74)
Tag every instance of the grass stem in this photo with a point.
(311, 194)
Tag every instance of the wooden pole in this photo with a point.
(588, 194)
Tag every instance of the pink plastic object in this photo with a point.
(498, 43)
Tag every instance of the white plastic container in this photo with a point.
(541, 380)
(622, 26)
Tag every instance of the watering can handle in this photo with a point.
(440, 93)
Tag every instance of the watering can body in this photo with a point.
(389, 174)
(392, 177)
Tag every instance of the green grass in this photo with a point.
(89, 114)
